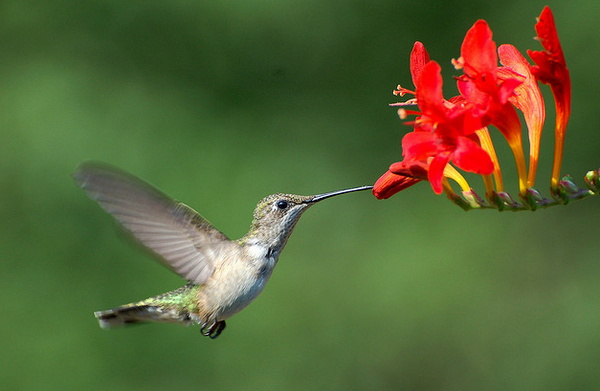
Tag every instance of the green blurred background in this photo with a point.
(222, 103)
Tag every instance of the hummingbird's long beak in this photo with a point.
(320, 197)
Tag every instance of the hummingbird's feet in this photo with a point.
(213, 330)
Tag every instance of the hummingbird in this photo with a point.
(223, 276)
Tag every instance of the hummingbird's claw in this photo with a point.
(213, 330)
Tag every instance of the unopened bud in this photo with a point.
(533, 199)
(592, 180)
(568, 185)
(504, 201)
(458, 200)
(473, 199)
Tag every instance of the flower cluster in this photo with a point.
(454, 133)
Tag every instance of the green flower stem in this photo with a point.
(565, 192)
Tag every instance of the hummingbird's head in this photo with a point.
(276, 215)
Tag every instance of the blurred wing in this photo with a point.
(185, 241)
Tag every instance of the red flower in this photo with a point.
(551, 68)
(391, 183)
(487, 94)
(527, 98)
(439, 134)
(456, 130)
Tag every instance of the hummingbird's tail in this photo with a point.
(123, 316)
(171, 307)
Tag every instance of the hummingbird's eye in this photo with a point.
(282, 204)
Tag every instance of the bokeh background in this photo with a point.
(222, 103)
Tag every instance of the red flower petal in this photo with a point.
(507, 87)
(436, 171)
(469, 156)
(478, 51)
(429, 92)
(553, 56)
(411, 168)
(419, 145)
(418, 58)
(389, 184)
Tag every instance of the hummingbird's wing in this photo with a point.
(185, 241)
